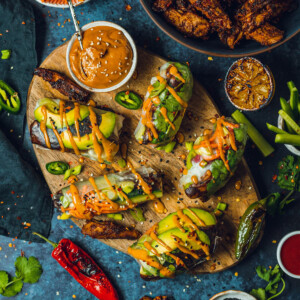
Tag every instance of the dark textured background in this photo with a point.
(122, 269)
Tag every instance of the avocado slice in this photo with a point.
(167, 238)
(189, 158)
(107, 127)
(167, 223)
(108, 123)
(53, 113)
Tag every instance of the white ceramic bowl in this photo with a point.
(234, 294)
(60, 5)
(134, 59)
(279, 247)
(291, 148)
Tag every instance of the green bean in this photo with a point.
(287, 108)
(291, 139)
(275, 129)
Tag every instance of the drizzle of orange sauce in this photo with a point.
(143, 255)
(179, 243)
(159, 241)
(178, 99)
(43, 126)
(129, 202)
(159, 207)
(80, 209)
(59, 139)
(150, 248)
(61, 112)
(177, 259)
(97, 147)
(173, 71)
(164, 112)
(186, 220)
(102, 195)
(196, 216)
(156, 100)
(147, 117)
(177, 223)
(146, 188)
(77, 118)
(108, 146)
(73, 143)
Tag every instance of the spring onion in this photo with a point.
(74, 171)
(254, 134)
(5, 54)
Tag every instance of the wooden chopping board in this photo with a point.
(201, 109)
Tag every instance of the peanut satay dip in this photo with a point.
(105, 60)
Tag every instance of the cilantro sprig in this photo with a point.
(273, 276)
(289, 173)
(27, 271)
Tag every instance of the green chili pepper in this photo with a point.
(74, 171)
(129, 100)
(5, 54)
(249, 229)
(9, 99)
(137, 214)
(57, 167)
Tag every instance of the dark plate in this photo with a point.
(290, 23)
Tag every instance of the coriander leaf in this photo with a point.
(289, 171)
(14, 287)
(3, 281)
(259, 294)
(29, 270)
(263, 273)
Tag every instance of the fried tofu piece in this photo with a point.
(266, 35)
(63, 84)
(213, 11)
(189, 23)
(109, 230)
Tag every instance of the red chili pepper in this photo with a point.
(83, 268)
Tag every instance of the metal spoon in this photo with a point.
(78, 32)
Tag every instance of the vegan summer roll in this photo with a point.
(72, 127)
(179, 242)
(110, 193)
(165, 104)
(213, 158)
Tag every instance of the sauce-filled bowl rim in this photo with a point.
(279, 248)
(270, 75)
(134, 56)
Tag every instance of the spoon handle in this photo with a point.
(77, 28)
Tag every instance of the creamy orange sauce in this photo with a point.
(143, 255)
(43, 126)
(177, 223)
(77, 118)
(102, 195)
(73, 143)
(58, 136)
(173, 71)
(179, 243)
(164, 112)
(159, 207)
(159, 241)
(187, 220)
(146, 188)
(150, 248)
(196, 216)
(108, 146)
(106, 57)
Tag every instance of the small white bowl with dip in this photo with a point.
(99, 54)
